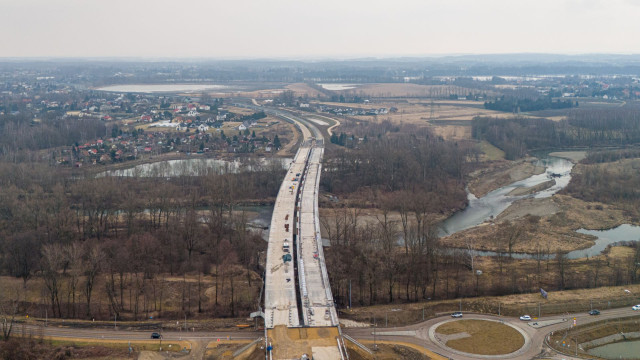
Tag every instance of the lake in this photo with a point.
(158, 88)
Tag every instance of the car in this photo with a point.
(594, 312)
(456, 314)
(156, 335)
(636, 307)
(525, 318)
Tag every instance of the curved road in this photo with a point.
(530, 350)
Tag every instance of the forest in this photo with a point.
(138, 243)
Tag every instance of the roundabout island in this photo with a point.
(481, 338)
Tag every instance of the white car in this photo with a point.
(525, 318)
(636, 307)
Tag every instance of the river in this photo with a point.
(495, 202)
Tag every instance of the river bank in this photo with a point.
(502, 173)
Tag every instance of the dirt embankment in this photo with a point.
(533, 189)
(502, 173)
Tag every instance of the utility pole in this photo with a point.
(115, 322)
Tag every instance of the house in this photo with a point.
(242, 127)
(145, 118)
(147, 149)
(204, 107)
(304, 105)
(203, 128)
(192, 113)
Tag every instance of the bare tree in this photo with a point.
(92, 263)
(52, 264)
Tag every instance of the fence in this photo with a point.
(389, 316)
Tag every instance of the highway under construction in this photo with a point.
(300, 316)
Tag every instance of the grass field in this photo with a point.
(146, 345)
(484, 337)
(490, 152)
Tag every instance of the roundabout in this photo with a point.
(480, 338)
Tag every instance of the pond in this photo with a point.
(620, 350)
(339, 87)
(197, 167)
(495, 202)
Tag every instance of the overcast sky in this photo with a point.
(315, 29)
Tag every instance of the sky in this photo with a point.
(319, 29)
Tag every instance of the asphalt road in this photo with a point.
(531, 349)
(99, 334)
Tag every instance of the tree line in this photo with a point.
(517, 136)
(517, 105)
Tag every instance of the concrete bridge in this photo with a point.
(300, 316)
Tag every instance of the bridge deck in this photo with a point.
(280, 292)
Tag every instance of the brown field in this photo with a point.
(395, 90)
(171, 287)
(391, 350)
(447, 118)
(302, 90)
(452, 132)
(485, 337)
